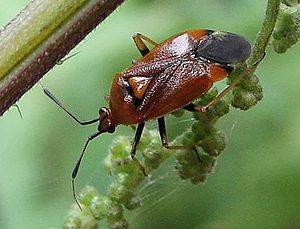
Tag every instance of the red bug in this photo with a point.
(168, 77)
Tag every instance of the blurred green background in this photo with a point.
(256, 183)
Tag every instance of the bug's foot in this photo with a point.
(141, 167)
(203, 108)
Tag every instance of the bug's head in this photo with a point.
(106, 123)
(224, 47)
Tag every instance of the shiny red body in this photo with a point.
(175, 77)
(166, 78)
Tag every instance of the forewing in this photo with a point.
(177, 86)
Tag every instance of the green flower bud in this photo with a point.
(178, 113)
(201, 178)
(152, 158)
(147, 139)
(193, 167)
(244, 99)
(86, 195)
(115, 217)
(133, 203)
(221, 108)
(207, 163)
(118, 224)
(81, 219)
(114, 211)
(73, 221)
(287, 30)
(188, 138)
(99, 206)
(118, 192)
(214, 144)
(291, 2)
(120, 148)
(251, 83)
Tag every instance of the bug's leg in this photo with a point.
(76, 168)
(137, 137)
(140, 44)
(19, 110)
(143, 37)
(163, 132)
(197, 155)
(234, 83)
(218, 97)
(212, 103)
(194, 108)
(164, 136)
(138, 40)
(191, 107)
(60, 62)
(83, 123)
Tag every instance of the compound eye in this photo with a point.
(223, 47)
(103, 112)
(106, 123)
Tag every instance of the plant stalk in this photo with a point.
(39, 36)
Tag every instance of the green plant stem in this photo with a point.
(37, 38)
(265, 32)
(246, 96)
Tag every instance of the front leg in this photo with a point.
(137, 138)
(196, 108)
